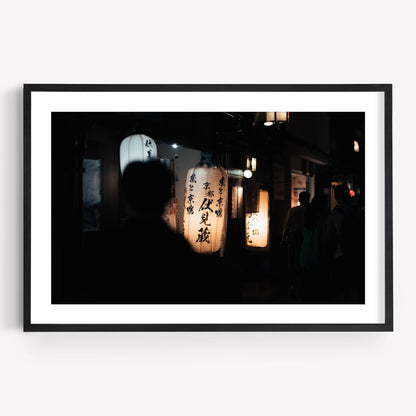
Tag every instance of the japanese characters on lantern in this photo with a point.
(136, 148)
(257, 223)
(205, 205)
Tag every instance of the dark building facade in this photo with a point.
(311, 152)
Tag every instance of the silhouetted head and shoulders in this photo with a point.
(292, 231)
(304, 198)
(296, 213)
(346, 226)
(343, 206)
(343, 197)
(148, 253)
(146, 190)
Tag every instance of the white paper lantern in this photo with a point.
(137, 148)
(205, 208)
(257, 223)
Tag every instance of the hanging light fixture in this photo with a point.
(136, 148)
(276, 118)
(248, 173)
(257, 223)
(205, 205)
(356, 146)
(251, 166)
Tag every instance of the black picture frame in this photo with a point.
(29, 89)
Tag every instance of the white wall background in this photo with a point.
(206, 373)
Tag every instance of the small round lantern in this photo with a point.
(136, 148)
(205, 208)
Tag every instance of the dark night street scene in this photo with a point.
(208, 208)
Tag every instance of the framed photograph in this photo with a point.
(208, 207)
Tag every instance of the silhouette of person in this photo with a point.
(346, 241)
(314, 253)
(292, 237)
(294, 220)
(152, 262)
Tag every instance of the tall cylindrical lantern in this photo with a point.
(205, 208)
(136, 148)
(257, 223)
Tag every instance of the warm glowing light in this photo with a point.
(253, 164)
(257, 223)
(352, 193)
(136, 148)
(276, 117)
(248, 173)
(356, 146)
(205, 208)
(281, 116)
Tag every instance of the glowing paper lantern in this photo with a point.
(205, 208)
(136, 148)
(257, 223)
